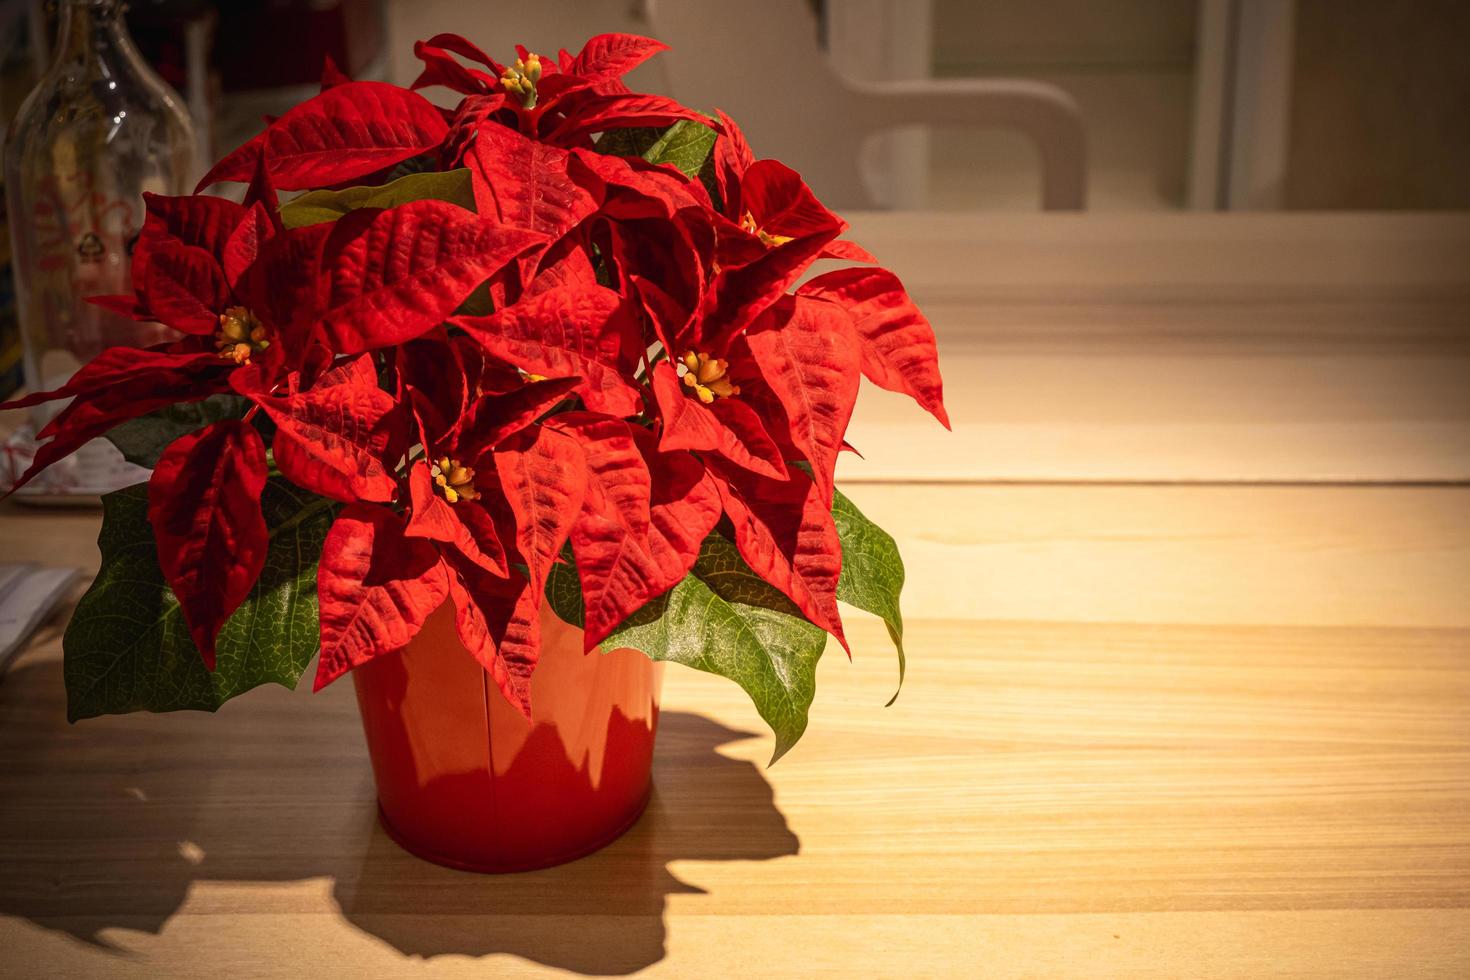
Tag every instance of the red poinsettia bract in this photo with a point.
(604, 357)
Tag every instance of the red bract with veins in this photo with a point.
(580, 355)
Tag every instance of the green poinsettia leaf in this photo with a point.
(686, 144)
(872, 572)
(564, 591)
(318, 206)
(127, 647)
(142, 440)
(631, 142)
(724, 619)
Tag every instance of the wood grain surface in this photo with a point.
(1224, 348)
(1212, 726)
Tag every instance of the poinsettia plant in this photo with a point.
(550, 345)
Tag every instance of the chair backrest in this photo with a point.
(760, 61)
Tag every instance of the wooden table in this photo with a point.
(1189, 692)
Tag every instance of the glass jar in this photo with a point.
(98, 130)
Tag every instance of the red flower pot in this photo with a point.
(466, 781)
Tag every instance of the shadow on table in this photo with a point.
(108, 823)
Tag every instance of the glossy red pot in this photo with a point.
(466, 781)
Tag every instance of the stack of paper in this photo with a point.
(28, 594)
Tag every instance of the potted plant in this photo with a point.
(508, 384)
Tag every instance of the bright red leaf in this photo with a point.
(525, 183)
(499, 622)
(786, 535)
(348, 131)
(601, 113)
(613, 55)
(375, 589)
(807, 358)
(544, 475)
(728, 426)
(643, 520)
(463, 524)
(392, 275)
(898, 349)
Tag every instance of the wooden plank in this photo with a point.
(1142, 761)
(1335, 255)
(1181, 347)
(1074, 781)
(1305, 556)
(1174, 417)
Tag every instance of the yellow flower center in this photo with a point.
(707, 377)
(767, 239)
(455, 482)
(239, 335)
(520, 80)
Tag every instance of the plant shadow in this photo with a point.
(109, 823)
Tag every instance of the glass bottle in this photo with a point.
(98, 130)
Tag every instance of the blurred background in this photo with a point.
(1317, 334)
(1136, 341)
(1182, 104)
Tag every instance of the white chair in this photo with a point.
(760, 62)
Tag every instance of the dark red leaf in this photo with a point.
(347, 131)
(125, 306)
(119, 384)
(778, 203)
(185, 288)
(117, 365)
(544, 476)
(332, 438)
(240, 251)
(670, 320)
(332, 76)
(495, 416)
(392, 275)
(465, 49)
(375, 589)
(898, 349)
(441, 69)
(195, 219)
(565, 333)
(204, 505)
(443, 373)
(282, 285)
